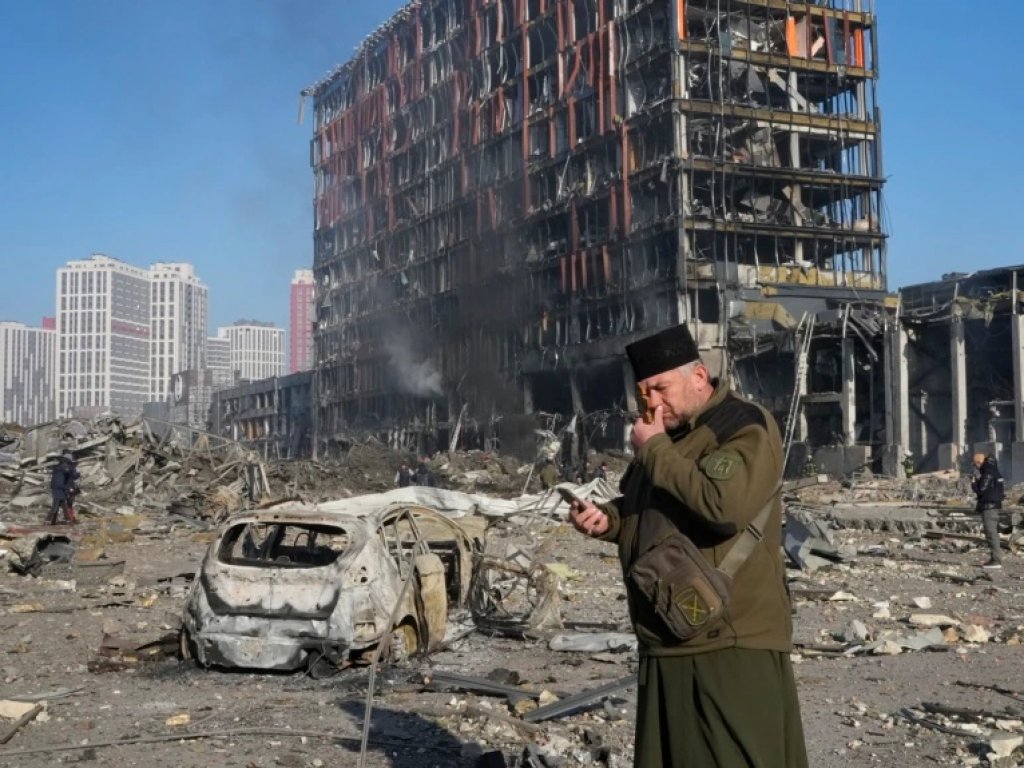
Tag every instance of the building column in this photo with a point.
(795, 196)
(949, 454)
(527, 395)
(1016, 473)
(848, 399)
(922, 399)
(577, 411)
(897, 398)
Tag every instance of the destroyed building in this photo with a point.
(507, 192)
(270, 415)
(190, 396)
(961, 383)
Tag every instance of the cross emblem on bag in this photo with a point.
(694, 609)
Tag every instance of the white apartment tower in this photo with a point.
(218, 353)
(103, 337)
(179, 306)
(28, 360)
(257, 349)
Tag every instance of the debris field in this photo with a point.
(907, 651)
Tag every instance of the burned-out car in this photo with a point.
(287, 588)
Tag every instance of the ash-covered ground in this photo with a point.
(907, 652)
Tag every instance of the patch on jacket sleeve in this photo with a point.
(721, 465)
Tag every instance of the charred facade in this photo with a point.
(508, 191)
(961, 390)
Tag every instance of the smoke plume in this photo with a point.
(413, 376)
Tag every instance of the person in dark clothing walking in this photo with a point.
(423, 475)
(403, 477)
(62, 487)
(988, 486)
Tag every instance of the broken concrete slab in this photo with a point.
(13, 709)
(932, 620)
(1003, 745)
(973, 633)
(923, 640)
(594, 642)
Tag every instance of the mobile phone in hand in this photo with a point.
(643, 402)
(568, 496)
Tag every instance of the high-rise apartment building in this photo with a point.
(103, 332)
(179, 308)
(218, 353)
(303, 315)
(257, 349)
(28, 362)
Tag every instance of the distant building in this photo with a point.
(218, 353)
(103, 333)
(257, 349)
(303, 314)
(191, 393)
(28, 360)
(179, 304)
(274, 415)
(49, 324)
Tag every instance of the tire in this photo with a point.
(405, 643)
(321, 668)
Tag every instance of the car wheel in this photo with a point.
(320, 667)
(404, 642)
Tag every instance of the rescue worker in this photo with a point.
(63, 483)
(708, 462)
(989, 487)
(601, 473)
(548, 475)
(403, 477)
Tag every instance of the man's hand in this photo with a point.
(644, 432)
(588, 519)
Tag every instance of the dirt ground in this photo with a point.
(130, 707)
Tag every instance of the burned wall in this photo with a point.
(965, 381)
(507, 192)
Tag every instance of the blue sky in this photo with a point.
(167, 131)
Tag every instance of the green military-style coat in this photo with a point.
(712, 489)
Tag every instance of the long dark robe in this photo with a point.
(735, 708)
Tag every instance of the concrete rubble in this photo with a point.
(900, 637)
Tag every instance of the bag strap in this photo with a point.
(751, 536)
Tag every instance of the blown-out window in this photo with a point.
(282, 545)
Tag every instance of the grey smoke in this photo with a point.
(414, 377)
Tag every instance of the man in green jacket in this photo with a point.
(708, 461)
